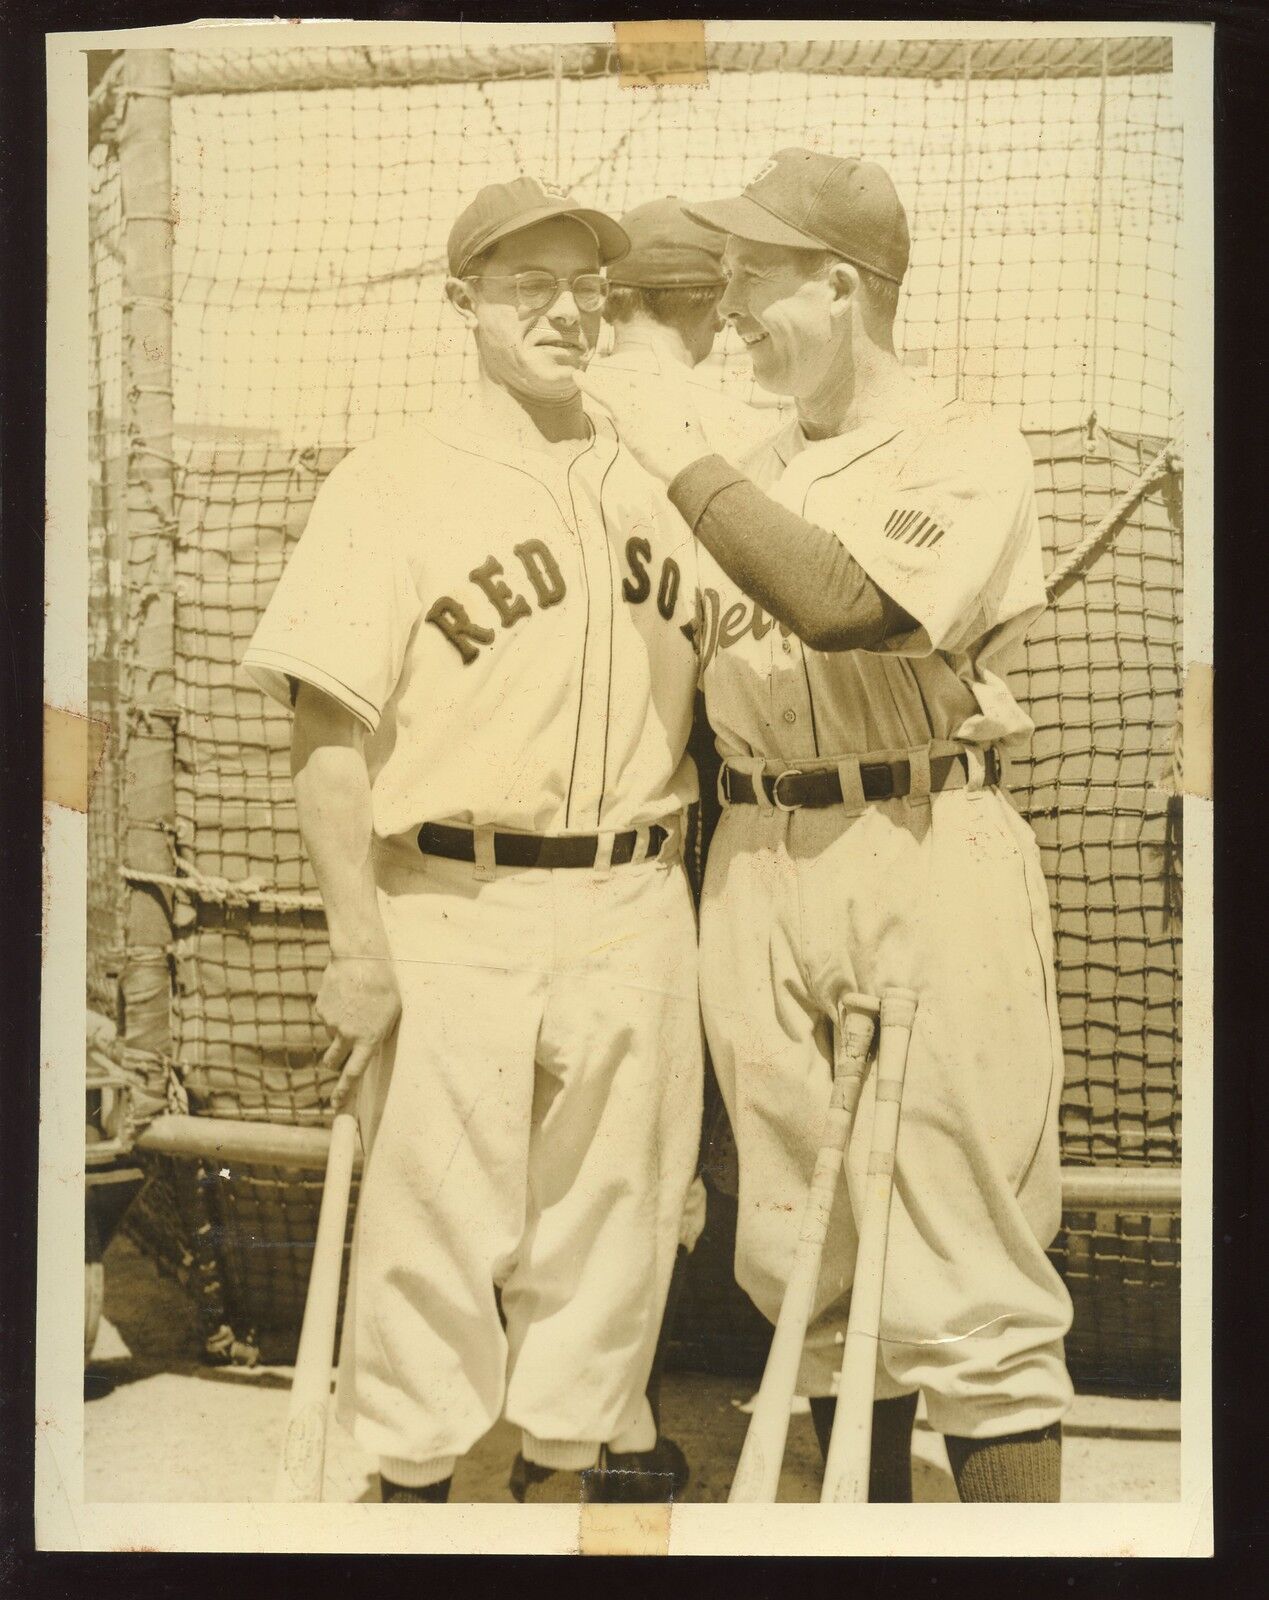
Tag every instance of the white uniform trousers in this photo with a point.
(946, 898)
(534, 1126)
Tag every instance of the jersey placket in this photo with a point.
(792, 705)
(583, 500)
(793, 701)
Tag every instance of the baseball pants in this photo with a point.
(946, 897)
(533, 1126)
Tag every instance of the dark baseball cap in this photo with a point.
(668, 250)
(501, 209)
(809, 201)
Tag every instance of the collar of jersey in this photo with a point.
(634, 358)
(825, 456)
(807, 461)
(487, 430)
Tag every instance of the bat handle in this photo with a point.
(757, 1477)
(850, 1448)
(301, 1471)
(856, 1031)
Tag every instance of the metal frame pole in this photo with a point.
(147, 656)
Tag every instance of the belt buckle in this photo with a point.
(724, 784)
(780, 805)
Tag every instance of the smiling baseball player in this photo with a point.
(874, 563)
(483, 629)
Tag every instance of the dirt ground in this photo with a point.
(161, 1427)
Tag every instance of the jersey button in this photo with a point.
(787, 647)
(790, 716)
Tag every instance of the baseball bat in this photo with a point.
(302, 1468)
(850, 1447)
(757, 1478)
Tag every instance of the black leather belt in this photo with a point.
(536, 849)
(822, 786)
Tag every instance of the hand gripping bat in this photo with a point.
(757, 1476)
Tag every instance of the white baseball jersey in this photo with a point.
(941, 515)
(507, 619)
(510, 619)
(733, 427)
(941, 893)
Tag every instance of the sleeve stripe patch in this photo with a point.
(897, 522)
(912, 527)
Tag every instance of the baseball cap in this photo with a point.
(501, 209)
(668, 250)
(810, 201)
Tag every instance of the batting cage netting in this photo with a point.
(267, 251)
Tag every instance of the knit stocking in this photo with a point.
(1012, 1468)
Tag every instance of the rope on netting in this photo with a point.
(164, 528)
(153, 1081)
(1172, 850)
(138, 447)
(103, 104)
(559, 108)
(960, 256)
(1164, 465)
(207, 72)
(1099, 189)
(241, 894)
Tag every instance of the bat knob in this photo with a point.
(898, 1008)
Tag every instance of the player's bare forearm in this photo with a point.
(798, 572)
(332, 801)
(358, 1000)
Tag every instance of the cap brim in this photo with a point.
(648, 278)
(746, 219)
(612, 239)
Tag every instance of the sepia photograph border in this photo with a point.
(65, 1520)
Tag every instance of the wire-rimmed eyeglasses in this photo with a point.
(538, 291)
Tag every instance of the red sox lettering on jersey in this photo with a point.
(505, 616)
(469, 636)
(534, 1114)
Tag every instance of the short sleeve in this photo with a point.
(346, 605)
(954, 539)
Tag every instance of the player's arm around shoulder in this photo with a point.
(358, 999)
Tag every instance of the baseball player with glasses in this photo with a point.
(484, 634)
(867, 572)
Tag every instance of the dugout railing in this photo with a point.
(267, 254)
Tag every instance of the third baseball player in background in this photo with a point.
(872, 560)
(662, 305)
